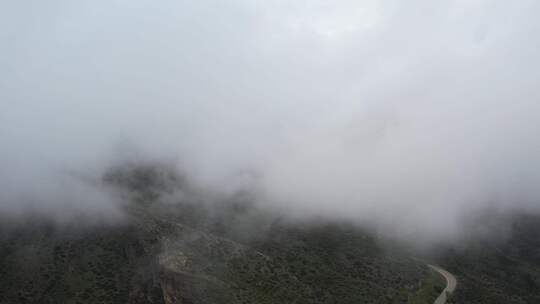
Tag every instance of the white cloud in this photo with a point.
(412, 114)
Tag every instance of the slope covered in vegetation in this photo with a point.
(191, 252)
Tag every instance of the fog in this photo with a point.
(409, 116)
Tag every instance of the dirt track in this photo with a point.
(451, 284)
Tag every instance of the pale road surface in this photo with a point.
(451, 283)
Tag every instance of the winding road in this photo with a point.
(451, 283)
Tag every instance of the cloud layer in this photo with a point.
(412, 115)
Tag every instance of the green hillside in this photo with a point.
(187, 252)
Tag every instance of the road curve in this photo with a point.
(451, 283)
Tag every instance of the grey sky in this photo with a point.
(392, 111)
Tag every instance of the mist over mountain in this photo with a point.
(413, 117)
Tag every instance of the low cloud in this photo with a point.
(411, 116)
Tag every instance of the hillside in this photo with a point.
(187, 253)
(503, 269)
